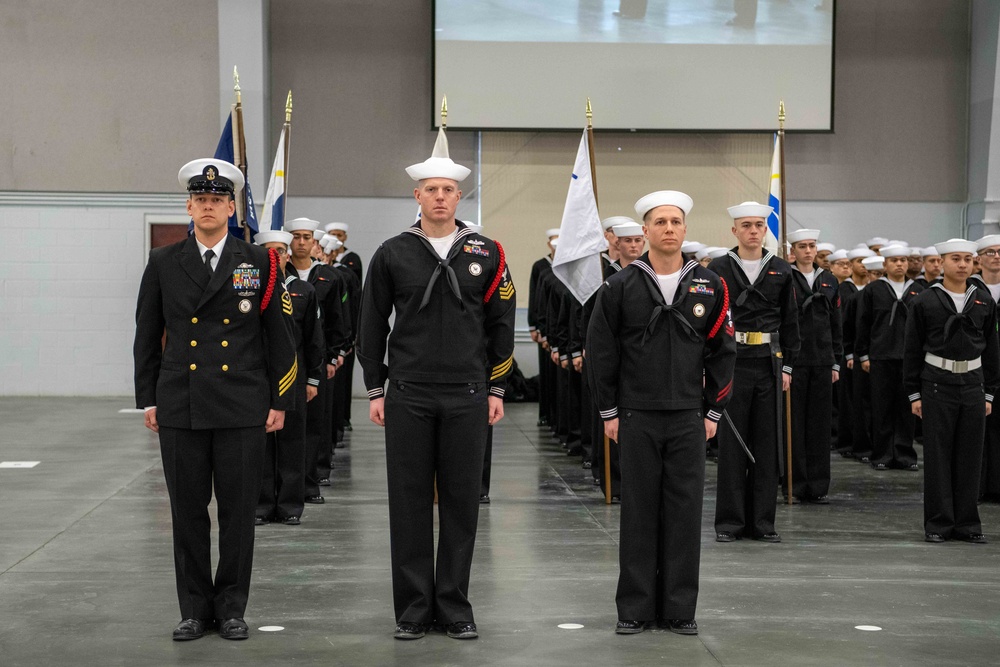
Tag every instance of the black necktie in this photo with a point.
(209, 254)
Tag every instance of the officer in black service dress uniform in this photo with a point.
(451, 290)
(662, 351)
(224, 378)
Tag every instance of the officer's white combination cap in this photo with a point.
(608, 223)
(438, 167)
(825, 247)
(988, 242)
(803, 235)
(664, 198)
(837, 255)
(860, 252)
(272, 236)
(955, 245)
(210, 175)
(692, 247)
(876, 262)
(301, 224)
(894, 251)
(877, 240)
(627, 229)
(930, 251)
(549, 233)
(336, 227)
(750, 209)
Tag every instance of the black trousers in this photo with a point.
(434, 429)
(562, 403)
(747, 493)
(348, 370)
(990, 480)
(892, 416)
(341, 392)
(484, 489)
(193, 462)
(663, 468)
(544, 386)
(318, 435)
(845, 410)
(812, 396)
(588, 414)
(282, 487)
(954, 419)
(861, 412)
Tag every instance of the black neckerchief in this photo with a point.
(653, 286)
(957, 318)
(443, 264)
(741, 278)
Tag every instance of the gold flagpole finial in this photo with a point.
(590, 114)
(288, 108)
(781, 114)
(236, 83)
(444, 111)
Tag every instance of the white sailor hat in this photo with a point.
(875, 263)
(837, 255)
(336, 227)
(955, 245)
(438, 167)
(272, 236)
(210, 175)
(930, 251)
(691, 247)
(608, 223)
(715, 253)
(825, 247)
(750, 209)
(318, 234)
(916, 252)
(627, 229)
(474, 227)
(877, 240)
(894, 251)
(803, 235)
(549, 233)
(860, 252)
(706, 252)
(301, 224)
(554, 241)
(897, 242)
(331, 244)
(663, 198)
(988, 242)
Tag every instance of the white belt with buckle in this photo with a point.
(752, 337)
(953, 366)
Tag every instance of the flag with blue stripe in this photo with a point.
(774, 199)
(273, 216)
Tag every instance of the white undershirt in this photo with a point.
(958, 298)
(995, 291)
(668, 285)
(900, 287)
(810, 277)
(443, 244)
(751, 267)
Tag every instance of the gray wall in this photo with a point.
(105, 96)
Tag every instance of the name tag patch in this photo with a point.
(475, 250)
(701, 289)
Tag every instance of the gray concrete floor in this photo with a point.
(86, 573)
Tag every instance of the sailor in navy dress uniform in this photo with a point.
(853, 437)
(349, 260)
(762, 298)
(662, 350)
(878, 347)
(951, 370)
(539, 272)
(224, 378)
(283, 485)
(450, 287)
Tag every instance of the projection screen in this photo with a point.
(696, 65)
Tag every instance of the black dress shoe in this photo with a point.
(324, 481)
(587, 465)
(629, 627)
(234, 628)
(773, 538)
(933, 538)
(347, 426)
(683, 626)
(574, 451)
(847, 454)
(616, 500)
(462, 630)
(315, 500)
(865, 459)
(405, 630)
(974, 538)
(820, 500)
(291, 521)
(880, 466)
(484, 499)
(913, 466)
(725, 536)
(191, 628)
(260, 520)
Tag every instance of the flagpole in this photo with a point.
(288, 140)
(784, 253)
(593, 180)
(240, 147)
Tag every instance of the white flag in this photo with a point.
(581, 238)
(274, 202)
(774, 200)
